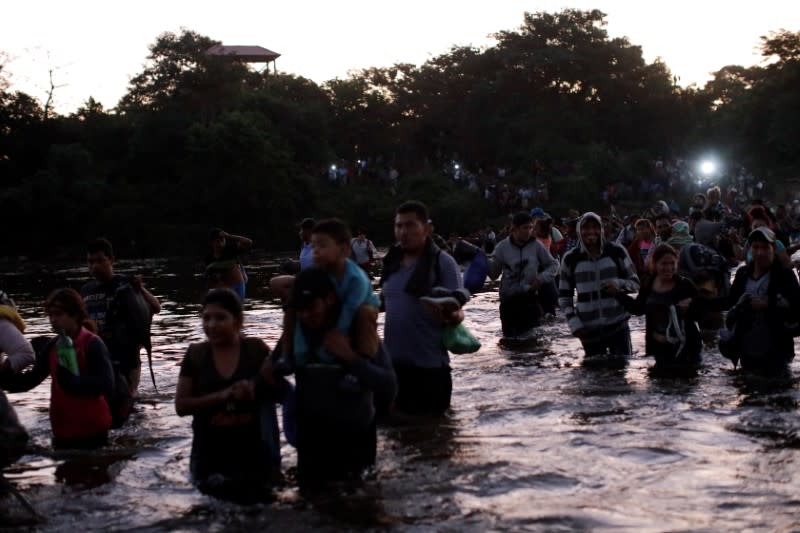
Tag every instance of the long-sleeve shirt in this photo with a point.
(521, 265)
(585, 274)
(96, 379)
(78, 405)
(656, 308)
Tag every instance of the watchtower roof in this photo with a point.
(248, 54)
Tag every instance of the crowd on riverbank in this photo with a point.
(594, 271)
(509, 189)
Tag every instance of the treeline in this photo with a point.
(201, 141)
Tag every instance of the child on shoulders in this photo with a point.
(331, 252)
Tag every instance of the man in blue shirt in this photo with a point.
(281, 286)
(413, 335)
(305, 251)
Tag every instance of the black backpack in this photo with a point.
(129, 318)
(699, 262)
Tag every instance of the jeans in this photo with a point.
(519, 313)
(617, 343)
(423, 390)
(548, 297)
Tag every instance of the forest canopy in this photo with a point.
(555, 104)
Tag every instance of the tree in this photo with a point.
(774, 106)
(756, 110)
(782, 45)
(180, 72)
(4, 83)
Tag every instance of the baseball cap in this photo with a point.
(309, 285)
(538, 212)
(763, 234)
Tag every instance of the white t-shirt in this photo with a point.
(362, 250)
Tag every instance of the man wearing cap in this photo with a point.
(336, 435)
(597, 270)
(766, 313)
(526, 266)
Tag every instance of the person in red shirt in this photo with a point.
(79, 412)
(639, 250)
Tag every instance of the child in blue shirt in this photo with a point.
(330, 241)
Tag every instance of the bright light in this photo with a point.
(455, 166)
(708, 167)
(333, 167)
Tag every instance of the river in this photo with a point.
(535, 440)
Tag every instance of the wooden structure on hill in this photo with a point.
(245, 54)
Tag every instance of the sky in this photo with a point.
(94, 48)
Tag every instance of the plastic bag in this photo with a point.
(458, 339)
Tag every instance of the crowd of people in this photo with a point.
(596, 271)
(678, 266)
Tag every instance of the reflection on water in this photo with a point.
(537, 439)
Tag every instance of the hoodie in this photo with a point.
(521, 265)
(595, 312)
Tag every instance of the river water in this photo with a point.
(535, 439)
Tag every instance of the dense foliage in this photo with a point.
(201, 141)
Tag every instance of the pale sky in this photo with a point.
(95, 47)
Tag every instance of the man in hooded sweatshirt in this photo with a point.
(597, 270)
(526, 266)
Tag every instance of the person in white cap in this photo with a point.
(766, 315)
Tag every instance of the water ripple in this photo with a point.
(537, 440)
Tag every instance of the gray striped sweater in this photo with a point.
(594, 311)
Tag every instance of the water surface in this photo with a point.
(535, 440)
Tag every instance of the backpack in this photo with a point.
(699, 262)
(128, 319)
(475, 275)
